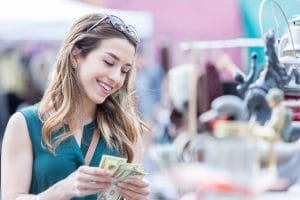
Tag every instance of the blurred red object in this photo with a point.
(221, 188)
(293, 102)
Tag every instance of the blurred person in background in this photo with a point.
(90, 95)
(13, 77)
(39, 66)
(148, 83)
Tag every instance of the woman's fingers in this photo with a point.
(130, 195)
(81, 189)
(95, 178)
(138, 182)
(94, 174)
(94, 171)
(84, 192)
(92, 185)
(90, 180)
(134, 189)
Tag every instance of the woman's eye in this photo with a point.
(108, 63)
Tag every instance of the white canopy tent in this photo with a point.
(51, 19)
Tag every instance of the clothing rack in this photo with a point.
(222, 44)
(243, 43)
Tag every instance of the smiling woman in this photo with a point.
(90, 96)
(104, 70)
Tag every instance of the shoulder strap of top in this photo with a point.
(34, 125)
(33, 121)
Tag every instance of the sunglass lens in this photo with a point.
(120, 26)
(132, 31)
(117, 23)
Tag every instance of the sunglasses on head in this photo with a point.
(119, 25)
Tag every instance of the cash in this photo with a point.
(111, 163)
(121, 171)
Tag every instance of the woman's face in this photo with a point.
(103, 71)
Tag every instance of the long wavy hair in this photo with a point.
(117, 118)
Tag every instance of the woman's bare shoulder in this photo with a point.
(17, 121)
(16, 130)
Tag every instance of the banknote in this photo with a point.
(122, 171)
(127, 174)
(111, 163)
(126, 166)
(111, 193)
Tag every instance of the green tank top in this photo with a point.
(48, 169)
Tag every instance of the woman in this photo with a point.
(90, 93)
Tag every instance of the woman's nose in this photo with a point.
(115, 74)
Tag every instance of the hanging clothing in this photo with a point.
(209, 87)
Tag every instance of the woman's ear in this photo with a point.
(74, 56)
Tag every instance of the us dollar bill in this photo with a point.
(111, 193)
(111, 163)
(127, 174)
(126, 166)
(122, 171)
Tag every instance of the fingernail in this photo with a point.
(107, 172)
(120, 184)
(130, 180)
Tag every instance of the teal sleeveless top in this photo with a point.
(48, 169)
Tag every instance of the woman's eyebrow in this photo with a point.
(117, 58)
(113, 55)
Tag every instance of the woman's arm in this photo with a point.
(17, 161)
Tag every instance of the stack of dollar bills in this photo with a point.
(121, 171)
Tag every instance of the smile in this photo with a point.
(106, 87)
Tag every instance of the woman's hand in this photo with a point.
(86, 181)
(134, 189)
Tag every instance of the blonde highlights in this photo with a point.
(116, 118)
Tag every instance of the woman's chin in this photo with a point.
(100, 100)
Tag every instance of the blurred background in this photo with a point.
(217, 36)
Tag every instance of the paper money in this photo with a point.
(122, 171)
(111, 163)
(110, 194)
(127, 174)
(125, 166)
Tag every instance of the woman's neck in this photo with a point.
(85, 114)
